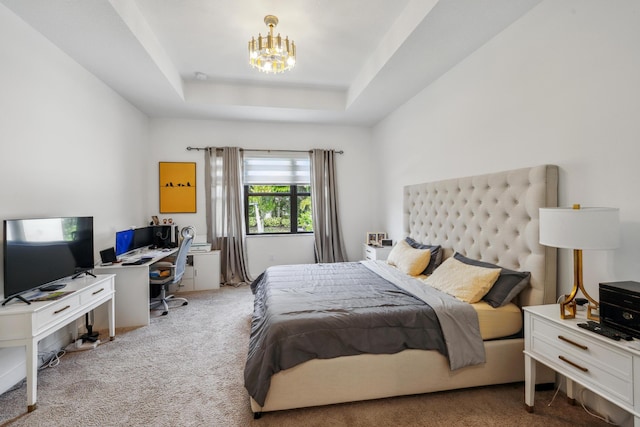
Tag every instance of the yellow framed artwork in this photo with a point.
(177, 187)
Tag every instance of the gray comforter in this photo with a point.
(322, 311)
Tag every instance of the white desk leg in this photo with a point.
(32, 374)
(529, 382)
(112, 318)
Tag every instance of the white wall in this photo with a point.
(170, 137)
(560, 86)
(70, 146)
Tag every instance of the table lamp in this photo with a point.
(579, 229)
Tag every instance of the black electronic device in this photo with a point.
(143, 237)
(108, 256)
(606, 331)
(39, 251)
(52, 287)
(163, 236)
(620, 306)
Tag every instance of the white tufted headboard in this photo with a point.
(491, 218)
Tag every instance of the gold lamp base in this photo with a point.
(568, 307)
(568, 310)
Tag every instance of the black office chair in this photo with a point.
(176, 269)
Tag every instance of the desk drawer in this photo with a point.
(586, 358)
(53, 313)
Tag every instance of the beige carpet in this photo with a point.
(186, 369)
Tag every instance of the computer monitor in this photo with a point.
(142, 237)
(124, 242)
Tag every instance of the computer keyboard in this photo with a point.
(135, 262)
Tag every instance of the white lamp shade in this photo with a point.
(584, 228)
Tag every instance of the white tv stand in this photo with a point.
(26, 324)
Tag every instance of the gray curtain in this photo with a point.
(328, 246)
(225, 212)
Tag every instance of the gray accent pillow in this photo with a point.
(509, 284)
(436, 254)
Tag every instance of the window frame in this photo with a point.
(293, 195)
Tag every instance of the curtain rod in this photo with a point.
(261, 150)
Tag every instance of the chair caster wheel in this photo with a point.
(185, 303)
(164, 313)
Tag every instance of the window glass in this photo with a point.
(269, 214)
(304, 214)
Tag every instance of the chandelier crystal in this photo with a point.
(270, 53)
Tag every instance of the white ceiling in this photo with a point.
(357, 60)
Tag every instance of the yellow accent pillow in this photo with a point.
(409, 260)
(466, 282)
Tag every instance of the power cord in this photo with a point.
(582, 400)
(556, 393)
(605, 419)
(17, 385)
(51, 359)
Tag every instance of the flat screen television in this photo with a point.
(43, 250)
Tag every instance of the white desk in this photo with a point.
(26, 324)
(132, 289)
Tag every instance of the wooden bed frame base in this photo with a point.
(374, 376)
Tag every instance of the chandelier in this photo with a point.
(271, 54)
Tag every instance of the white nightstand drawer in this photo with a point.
(584, 357)
(369, 252)
(372, 253)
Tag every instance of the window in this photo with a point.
(277, 193)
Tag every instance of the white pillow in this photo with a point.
(409, 260)
(466, 282)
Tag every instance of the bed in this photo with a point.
(492, 218)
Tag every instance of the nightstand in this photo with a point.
(606, 367)
(375, 252)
